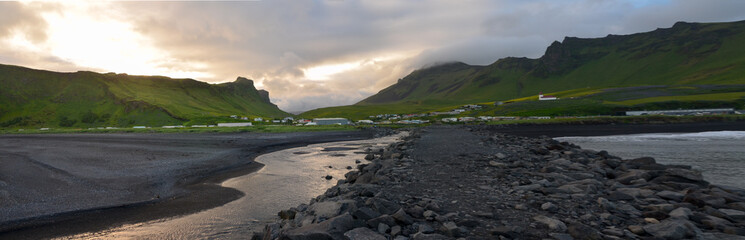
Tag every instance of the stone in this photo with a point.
(287, 214)
(365, 213)
(681, 213)
(561, 236)
(701, 199)
(450, 229)
(395, 230)
(330, 209)
(605, 204)
(651, 220)
(636, 192)
(425, 228)
(734, 214)
(685, 173)
(636, 229)
(363, 233)
(721, 236)
(424, 236)
(385, 219)
(328, 177)
(715, 223)
(552, 223)
(618, 196)
(429, 214)
(333, 228)
(401, 217)
(497, 164)
(671, 229)
(415, 211)
(383, 228)
(642, 161)
(633, 174)
(369, 156)
(501, 155)
(670, 195)
(507, 231)
(660, 207)
(581, 231)
(550, 207)
(384, 206)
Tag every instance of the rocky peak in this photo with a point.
(264, 94)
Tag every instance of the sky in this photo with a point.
(311, 54)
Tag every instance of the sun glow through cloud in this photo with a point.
(106, 43)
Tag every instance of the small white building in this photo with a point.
(239, 124)
(331, 121)
(365, 122)
(542, 97)
(258, 119)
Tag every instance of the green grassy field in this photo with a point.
(85, 99)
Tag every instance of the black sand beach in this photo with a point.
(55, 185)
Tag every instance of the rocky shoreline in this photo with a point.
(473, 183)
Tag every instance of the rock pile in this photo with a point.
(449, 182)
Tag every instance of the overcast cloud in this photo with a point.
(311, 54)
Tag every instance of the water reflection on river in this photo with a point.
(289, 178)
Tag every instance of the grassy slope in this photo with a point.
(41, 98)
(686, 54)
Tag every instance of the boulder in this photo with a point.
(681, 213)
(553, 224)
(671, 229)
(734, 214)
(333, 228)
(631, 175)
(329, 209)
(365, 213)
(385, 219)
(581, 231)
(401, 217)
(670, 195)
(363, 233)
(685, 173)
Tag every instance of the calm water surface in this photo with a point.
(289, 178)
(720, 155)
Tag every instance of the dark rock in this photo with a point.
(425, 228)
(671, 229)
(357, 161)
(424, 236)
(619, 196)
(701, 199)
(383, 228)
(333, 228)
(395, 230)
(328, 177)
(401, 217)
(451, 229)
(369, 156)
(384, 206)
(581, 231)
(363, 233)
(415, 211)
(287, 214)
(685, 173)
(733, 214)
(552, 223)
(632, 175)
(550, 207)
(507, 231)
(540, 151)
(670, 195)
(681, 212)
(349, 167)
(713, 222)
(365, 213)
(469, 223)
(642, 161)
(385, 219)
(561, 236)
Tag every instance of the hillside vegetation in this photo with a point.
(31, 97)
(687, 54)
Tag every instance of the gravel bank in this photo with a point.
(472, 183)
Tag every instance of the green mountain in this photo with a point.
(31, 97)
(687, 54)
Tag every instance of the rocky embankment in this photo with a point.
(458, 182)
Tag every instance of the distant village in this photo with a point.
(423, 118)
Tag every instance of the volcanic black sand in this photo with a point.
(59, 184)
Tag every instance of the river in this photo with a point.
(719, 155)
(290, 177)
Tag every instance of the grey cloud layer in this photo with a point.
(273, 41)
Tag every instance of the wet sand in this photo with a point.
(54, 185)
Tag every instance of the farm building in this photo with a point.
(542, 97)
(331, 121)
(239, 124)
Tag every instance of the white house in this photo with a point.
(542, 97)
(239, 124)
(258, 119)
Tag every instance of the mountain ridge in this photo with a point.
(691, 42)
(32, 97)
